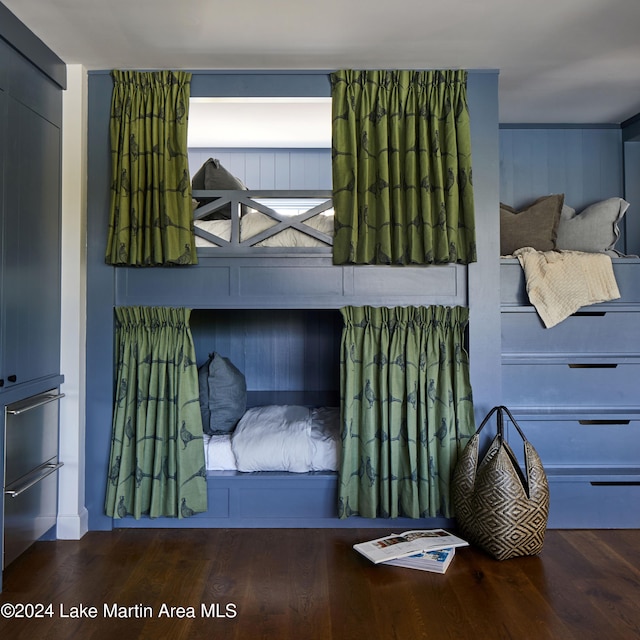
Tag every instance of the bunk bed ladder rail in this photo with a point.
(241, 201)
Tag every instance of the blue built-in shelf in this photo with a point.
(574, 391)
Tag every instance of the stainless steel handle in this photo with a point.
(38, 403)
(33, 478)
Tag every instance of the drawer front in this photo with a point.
(580, 442)
(571, 386)
(31, 435)
(585, 333)
(29, 515)
(593, 505)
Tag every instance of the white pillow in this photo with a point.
(218, 453)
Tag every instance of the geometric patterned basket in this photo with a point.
(498, 508)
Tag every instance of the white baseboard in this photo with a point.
(72, 527)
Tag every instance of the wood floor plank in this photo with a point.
(308, 584)
(612, 587)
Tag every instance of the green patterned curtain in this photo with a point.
(407, 409)
(151, 219)
(157, 465)
(402, 184)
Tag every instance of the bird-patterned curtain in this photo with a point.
(406, 409)
(151, 219)
(157, 465)
(402, 183)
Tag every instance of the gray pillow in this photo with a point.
(594, 230)
(223, 395)
(213, 176)
(534, 226)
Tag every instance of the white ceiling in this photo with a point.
(560, 61)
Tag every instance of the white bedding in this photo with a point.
(278, 438)
(558, 283)
(254, 222)
(218, 455)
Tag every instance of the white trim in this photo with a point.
(72, 515)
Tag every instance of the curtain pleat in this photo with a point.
(402, 179)
(151, 219)
(406, 409)
(157, 465)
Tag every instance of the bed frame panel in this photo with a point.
(276, 500)
(289, 282)
(238, 275)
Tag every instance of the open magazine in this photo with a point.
(407, 544)
(436, 561)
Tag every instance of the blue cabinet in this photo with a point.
(29, 223)
(30, 220)
(575, 391)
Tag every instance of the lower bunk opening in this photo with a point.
(274, 463)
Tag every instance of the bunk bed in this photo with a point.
(252, 255)
(260, 251)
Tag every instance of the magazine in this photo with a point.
(437, 561)
(407, 544)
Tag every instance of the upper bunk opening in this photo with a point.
(269, 161)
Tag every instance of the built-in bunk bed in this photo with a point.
(266, 275)
(255, 259)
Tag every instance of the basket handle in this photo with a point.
(501, 409)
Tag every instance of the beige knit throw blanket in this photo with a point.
(560, 282)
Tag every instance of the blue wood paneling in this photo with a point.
(632, 195)
(583, 163)
(31, 47)
(100, 302)
(26, 84)
(271, 168)
(277, 350)
(484, 294)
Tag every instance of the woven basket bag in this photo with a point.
(498, 507)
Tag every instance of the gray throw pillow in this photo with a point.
(534, 226)
(223, 395)
(594, 229)
(213, 176)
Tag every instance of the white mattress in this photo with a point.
(254, 222)
(278, 438)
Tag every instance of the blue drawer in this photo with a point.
(601, 442)
(565, 386)
(593, 504)
(603, 333)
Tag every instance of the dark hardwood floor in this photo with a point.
(304, 584)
